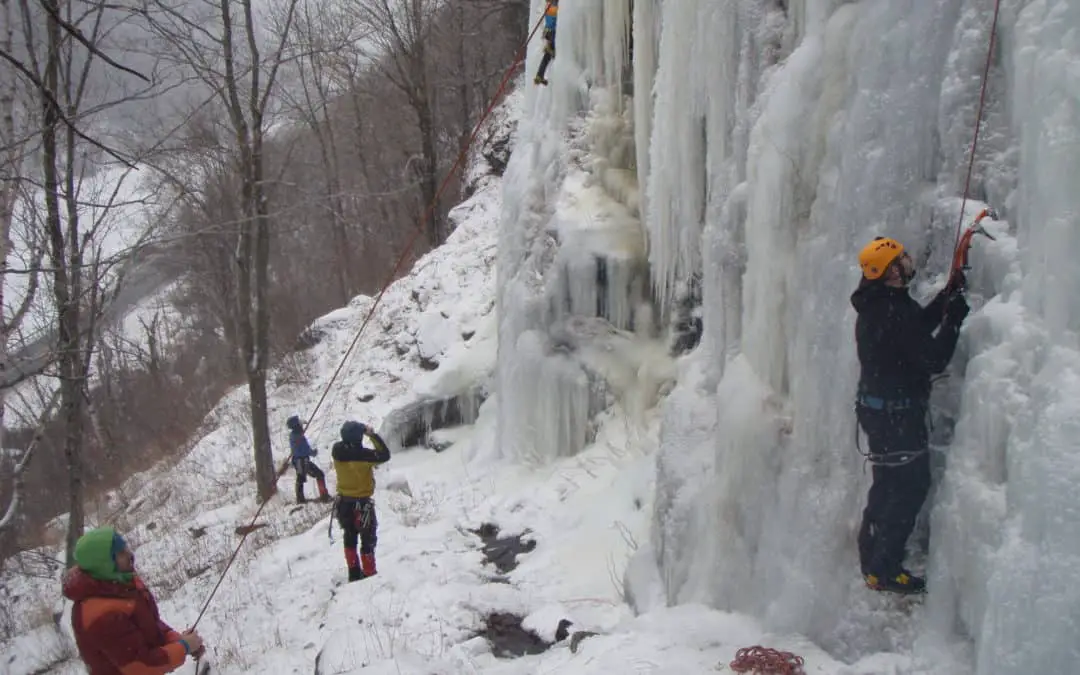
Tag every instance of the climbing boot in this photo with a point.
(324, 494)
(904, 582)
(540, 80)
(367, 560)
(352, 561)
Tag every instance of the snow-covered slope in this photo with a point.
(181, 517)
(765, 142)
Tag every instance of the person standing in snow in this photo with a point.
(898, 353)
(355, 468)
(551, 17)
(302, 452)
(115, 619)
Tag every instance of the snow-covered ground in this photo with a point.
(683, 508)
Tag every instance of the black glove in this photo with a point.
(956, 309)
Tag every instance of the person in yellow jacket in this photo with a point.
(551, 17)
(355, 468)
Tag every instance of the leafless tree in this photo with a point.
(225, 50)
(78, 206)
(397, 34)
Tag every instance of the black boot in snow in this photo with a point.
(904, 583)
(355, 574)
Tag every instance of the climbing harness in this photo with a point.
(519, 59)
(891, 459)
(767, 661)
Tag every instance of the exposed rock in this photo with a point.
(503, 551)
(508, 638)
(412, 424)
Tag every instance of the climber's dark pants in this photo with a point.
(304, 468)
(898, 492)
(549, 52)
(357, 520)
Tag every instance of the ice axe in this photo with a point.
(963, 246)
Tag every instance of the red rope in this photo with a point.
(978, 123)
(767, 661)
(518, 60)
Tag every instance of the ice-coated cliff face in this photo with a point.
(727, 159)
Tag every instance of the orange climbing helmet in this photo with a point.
(876, 256)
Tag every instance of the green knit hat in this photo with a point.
(95, 554)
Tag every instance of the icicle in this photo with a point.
(645, 32)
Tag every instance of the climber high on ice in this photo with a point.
(551, 17)
(900, 346)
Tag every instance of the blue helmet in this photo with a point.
(353, 431)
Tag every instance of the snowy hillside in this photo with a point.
(181, 518)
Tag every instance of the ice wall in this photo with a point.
(574, 285)
(779, 148)
(770, 140)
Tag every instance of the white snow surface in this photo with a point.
(686, 506)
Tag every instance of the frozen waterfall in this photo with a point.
(748, 148)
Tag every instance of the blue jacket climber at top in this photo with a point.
(898, 353)
(302, 452)
(551, 17)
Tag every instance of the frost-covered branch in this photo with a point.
(12, 510)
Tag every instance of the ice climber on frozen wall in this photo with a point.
(355, 468)
(114, 617)
(302, 452)
(551, 17)
(898, 353)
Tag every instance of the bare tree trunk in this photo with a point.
(265, 472)
(428, 171)
(253, 254)
(67, 307)
(464, 99)
(9, 186)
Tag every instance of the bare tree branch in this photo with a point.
(12, 510)
(90, 46)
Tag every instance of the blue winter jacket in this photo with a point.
(299, 446)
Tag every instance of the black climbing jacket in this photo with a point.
(897, 347)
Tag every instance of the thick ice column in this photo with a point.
(572, 244)
(646, 34)
(677, 181)
(1006, 541)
